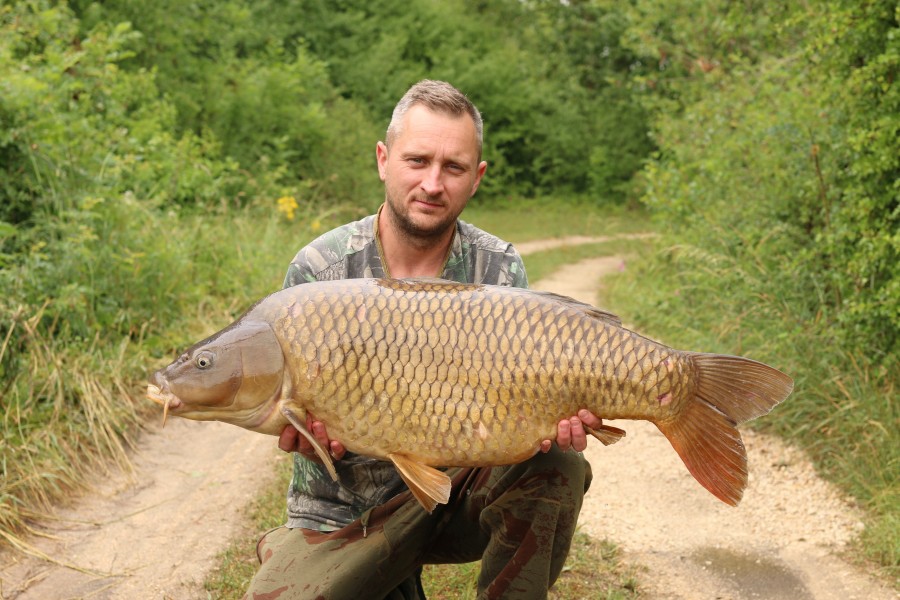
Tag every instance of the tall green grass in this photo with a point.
(85, 320)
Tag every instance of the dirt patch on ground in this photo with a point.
(157, 534)
(526, 248)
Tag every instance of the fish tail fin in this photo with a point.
(728, 390)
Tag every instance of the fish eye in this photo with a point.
(204, 360)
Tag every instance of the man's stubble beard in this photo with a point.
(419, 236)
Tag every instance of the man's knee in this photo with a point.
(566, 468)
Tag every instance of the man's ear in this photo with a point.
(381, 156)
(479, 173)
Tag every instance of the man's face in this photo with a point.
(430, 171)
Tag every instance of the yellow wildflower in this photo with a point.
(286, 206)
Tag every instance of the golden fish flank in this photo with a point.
(432, 373)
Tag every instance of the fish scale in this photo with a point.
(430, 373)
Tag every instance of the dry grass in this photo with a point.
(67, 413)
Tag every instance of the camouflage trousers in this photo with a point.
(519, 520)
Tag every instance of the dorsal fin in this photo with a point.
(414, 280)
(593, 311)
(408, 283)
(597, 313)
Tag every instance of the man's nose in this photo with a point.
(432, 181)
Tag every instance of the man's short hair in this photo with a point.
(440, 97)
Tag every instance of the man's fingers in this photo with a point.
(337, 450)
(570, 433)
(589, 419)
(578, 435)
(319, 432)
(564, 434)
(287, 440)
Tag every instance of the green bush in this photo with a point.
(97, 262)
(859, 45)
(791, 137)
(547, 93)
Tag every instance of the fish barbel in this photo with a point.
(428, 373)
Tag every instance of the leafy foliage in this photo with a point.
(860, 46)
(305, 96)
(546, 114)
(89, 265)
(791, 142)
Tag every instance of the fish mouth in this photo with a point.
(164, 397)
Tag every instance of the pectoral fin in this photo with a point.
(299, 424)
(606, 434)
(430, 486)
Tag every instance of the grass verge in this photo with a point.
(238, 563)
(524, 220)
(74, 366)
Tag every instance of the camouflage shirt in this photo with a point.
(351, 251)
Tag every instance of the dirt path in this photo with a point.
(156, 535)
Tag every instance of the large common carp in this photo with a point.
(427, 373)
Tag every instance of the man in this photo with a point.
(366, 536)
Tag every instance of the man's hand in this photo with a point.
(570, 432)
(292, 440)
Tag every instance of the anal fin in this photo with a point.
(607, 434)
(300, 424)
(711, 448)
(429, 486)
